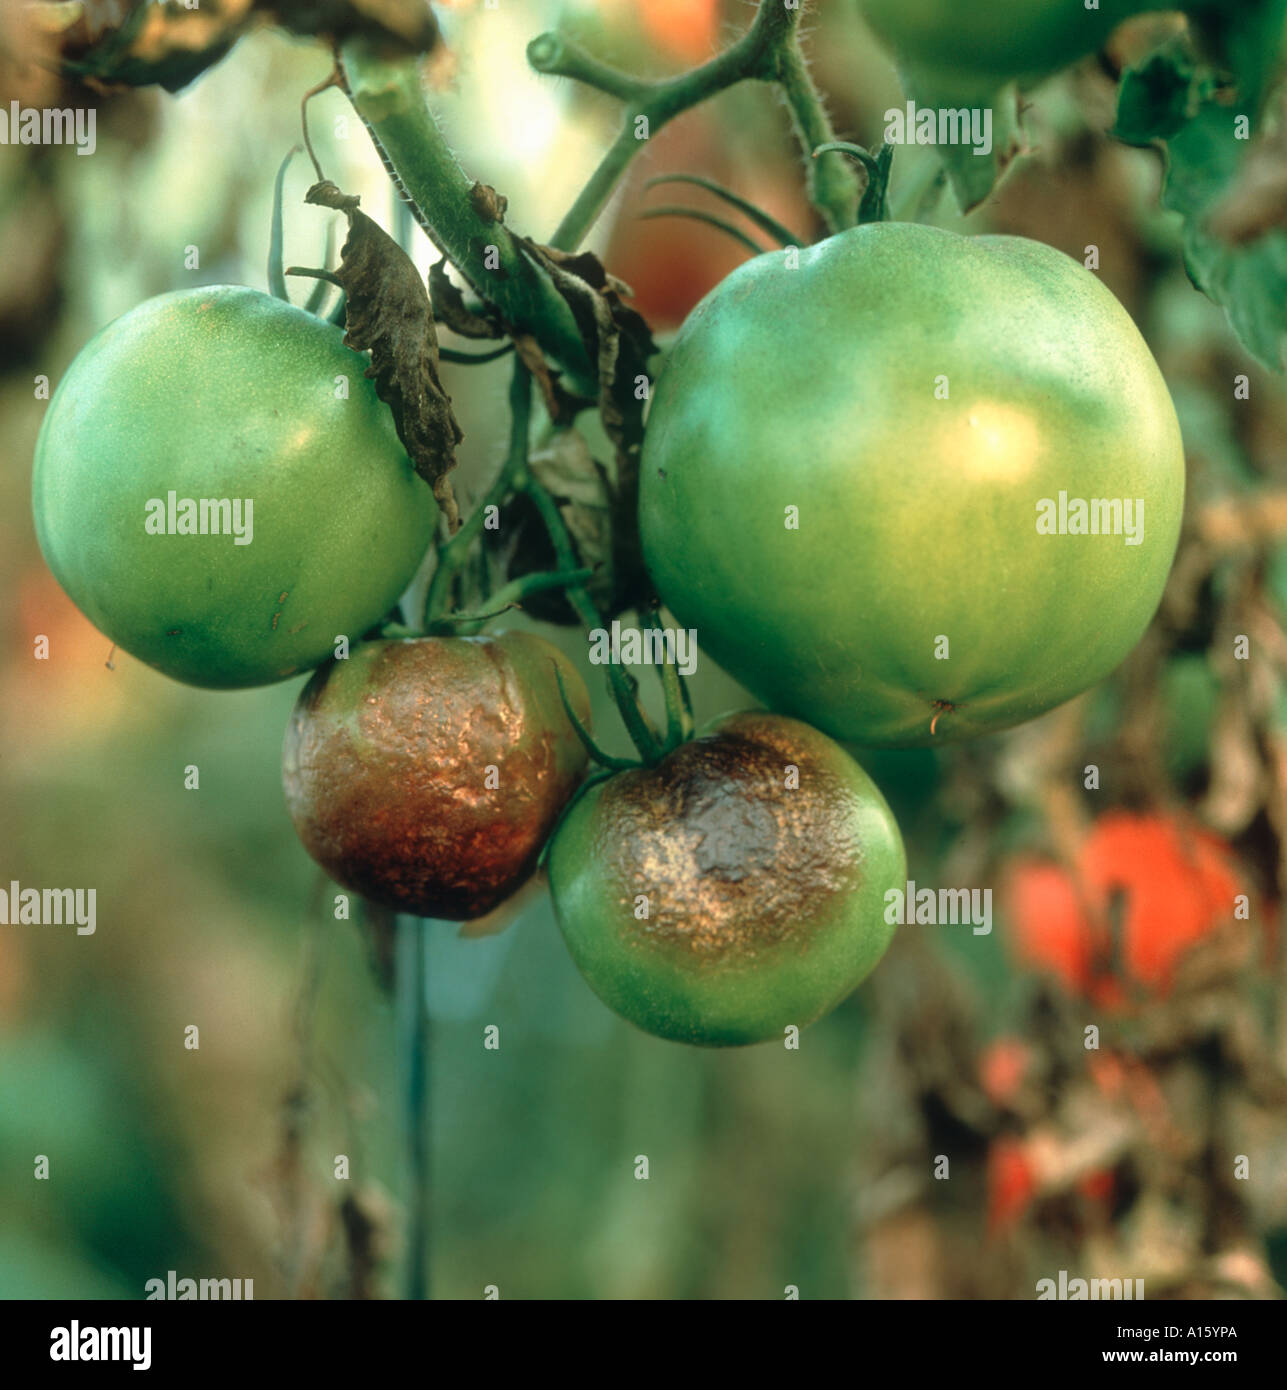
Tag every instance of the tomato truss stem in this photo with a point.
(769, 51)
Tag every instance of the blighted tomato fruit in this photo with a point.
(426, 774)
(735, 889)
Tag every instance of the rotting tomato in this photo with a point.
(846, 462)
(734, 889)
(427, 773)
(229, 397)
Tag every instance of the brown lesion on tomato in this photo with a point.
(731, 860)
(397, 802)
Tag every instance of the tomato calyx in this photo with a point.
(653, 747)
(874, 205)
(941, 707)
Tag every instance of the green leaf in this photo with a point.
(1168, 99)
(1245, 38)
(1155, 99)
(972, 175)
(1250, 281)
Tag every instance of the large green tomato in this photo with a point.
(965, 46)
(227, 395)
(848, 462)
(734, 890)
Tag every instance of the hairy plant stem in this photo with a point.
(387, 96)
(769, 51)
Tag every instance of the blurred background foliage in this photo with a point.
(769, 1168)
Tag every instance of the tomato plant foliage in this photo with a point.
(909, 487)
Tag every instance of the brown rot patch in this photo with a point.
(733, 856)
(384, 769)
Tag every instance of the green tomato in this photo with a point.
(226, 394)
(733, 890)
(977, 47)
(847, 462)
(426, 774)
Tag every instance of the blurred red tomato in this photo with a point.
(670, 263)
(1177, 884)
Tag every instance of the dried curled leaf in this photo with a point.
(584, 491)
(621, 344)
(138, 43)
(450, 309)
(387, 311)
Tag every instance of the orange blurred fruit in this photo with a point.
(1175, 882)
(687, 29)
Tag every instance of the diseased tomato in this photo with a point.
(1176, 884)
(847, 463)
(427, 773)
(733, 890)
(225, 408)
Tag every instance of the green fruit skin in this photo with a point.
(683, 853)
(225, 392)
(816, 388)
(976, 47)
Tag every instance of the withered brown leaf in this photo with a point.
(138, 43)
(387, 311)
(621, 344)
(450, 309)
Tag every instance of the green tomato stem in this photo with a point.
(832, 187)
(454, 554)
(642, 734)
(387, 96)
(768, 52)
(413, 1050)
(671, 682)
(509, 596)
